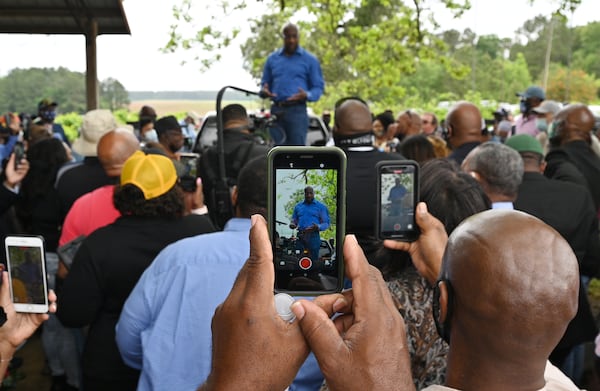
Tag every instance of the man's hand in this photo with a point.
(18, 326)
(253, 348)
(427, 251)
(265, 92)
(365, 348)
(14, 177)
(300, 95)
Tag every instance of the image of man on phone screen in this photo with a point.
(396, 196)
(310, 217)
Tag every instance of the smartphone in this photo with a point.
(190, 162)
(306, 218)
(26, 263)
(397, 197)
(19, 150)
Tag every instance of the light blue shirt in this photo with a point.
(164, 328)
(503, 205)
(285, 74)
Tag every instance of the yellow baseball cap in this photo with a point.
(153, 174)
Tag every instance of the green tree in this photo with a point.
(575, 85)
(113, 95)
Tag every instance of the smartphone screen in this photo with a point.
(307, 218)
(27, 273)
(397, 195)
(190, 162)
(19, 150)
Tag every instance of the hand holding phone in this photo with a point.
(27, 273)
(397, 197)
(306, 218)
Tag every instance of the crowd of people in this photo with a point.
(165, 293)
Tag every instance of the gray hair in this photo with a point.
(500, 166)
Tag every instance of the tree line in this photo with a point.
(22, 89)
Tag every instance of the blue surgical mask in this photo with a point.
(541, 124)
(151, 135)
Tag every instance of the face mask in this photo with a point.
(524, 106)
(541, 124)
(151, 135)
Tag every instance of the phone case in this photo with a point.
(296, 257)
(26, 263)
(394, 210)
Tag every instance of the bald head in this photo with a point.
(501, 299)
(352, 117)
(114, 148)
(574, 122)
(464, 124)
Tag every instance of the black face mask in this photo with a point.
(524, 106)
(363, 139)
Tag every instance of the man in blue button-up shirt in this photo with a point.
(291, 77)
(310, 216)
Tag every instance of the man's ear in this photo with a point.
(476, 175)
(443, 301)
(234, 196)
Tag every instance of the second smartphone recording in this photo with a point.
(397, 197)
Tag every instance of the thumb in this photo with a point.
(423, 218)
(319, 331)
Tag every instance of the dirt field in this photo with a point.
(166, 107)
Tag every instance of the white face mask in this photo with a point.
(150, 135)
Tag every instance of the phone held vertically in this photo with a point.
(306, 218)
(19, 150)
(26, 263)
(190, 162)
(397, 197)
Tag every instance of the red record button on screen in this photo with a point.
(305, 263)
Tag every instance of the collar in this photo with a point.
(238, 224)
(503, 205)
(299, 51)
(365, 139)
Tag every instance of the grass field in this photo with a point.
(177, 107)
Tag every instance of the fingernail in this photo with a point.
(253, 220)
(198, 181)
(298, 310)
(339, 304)
(422, 208)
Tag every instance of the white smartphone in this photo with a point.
(26, 263)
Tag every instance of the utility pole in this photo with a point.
(548, 53)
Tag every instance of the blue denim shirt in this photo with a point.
(285, 74)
